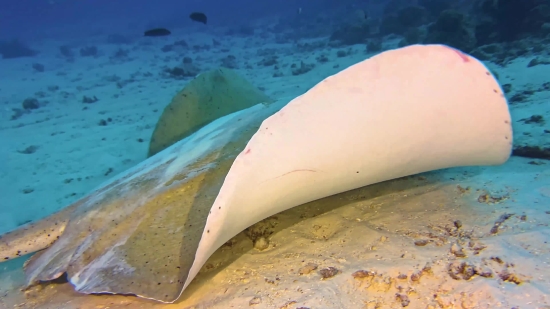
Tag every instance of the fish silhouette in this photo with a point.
(198, 17)
(157, 32)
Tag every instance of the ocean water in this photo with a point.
(84, 86)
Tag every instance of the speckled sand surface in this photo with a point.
(391, 245)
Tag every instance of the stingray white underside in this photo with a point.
(399, 113)
(402, 112)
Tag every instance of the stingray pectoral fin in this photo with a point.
(139, 233)
(401, 112)
(149, 231)
(34, 236)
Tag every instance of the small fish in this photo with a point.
(198, 17)
(299, 11)
(157, 32)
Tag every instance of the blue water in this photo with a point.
(37, 19)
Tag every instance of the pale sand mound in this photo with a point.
(422, 242)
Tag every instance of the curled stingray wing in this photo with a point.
(401, 112)
(138, 234)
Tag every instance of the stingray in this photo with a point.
(148, 231)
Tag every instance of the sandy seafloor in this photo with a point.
(420, 242)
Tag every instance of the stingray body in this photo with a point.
(149, 231)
